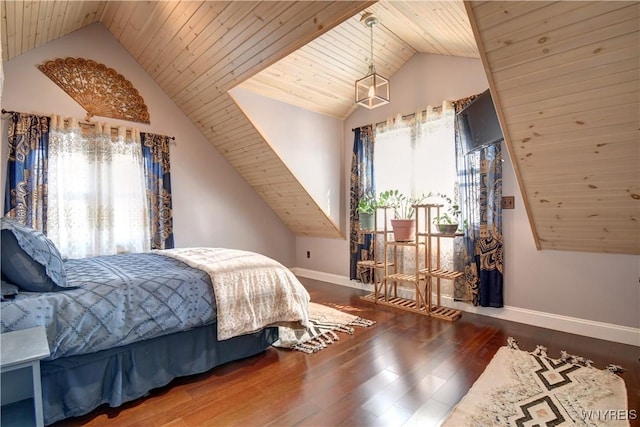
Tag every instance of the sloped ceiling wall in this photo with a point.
(564, 77)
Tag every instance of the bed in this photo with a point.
(119, 326)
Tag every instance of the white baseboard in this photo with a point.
(573, 325)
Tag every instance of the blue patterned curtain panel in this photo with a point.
(482, 252)
(361, 183)
(26, 186)
(155, 150)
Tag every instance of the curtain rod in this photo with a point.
(79, 122)
(404, 117)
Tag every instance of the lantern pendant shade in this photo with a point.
(372, 90)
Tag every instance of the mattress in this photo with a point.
(119, 299)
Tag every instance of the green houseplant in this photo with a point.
(366, 211)
(448, 221)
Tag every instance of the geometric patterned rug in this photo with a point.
(519, 388)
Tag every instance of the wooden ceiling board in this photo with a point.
(29, 24)
(490, 14)
(203, 92)
(344, 62)
(565, 76)
(209, 34)
(179, 55)
(141, 17)
(8, 30)
(389, 50)
(590, 145)
(151, 37)
(615, 156)
(443, 27)
(316, 89)
(569, 121)
(575, 104)
(223, 55)
(592, 77)
(564, 39)
(29, 42)
(526, 18)
(237, 61)
(576, 10)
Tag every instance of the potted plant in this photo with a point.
(366, 211)
(448, 221)
(403, 223)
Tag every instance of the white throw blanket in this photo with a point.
(324, 322)
(252, 291)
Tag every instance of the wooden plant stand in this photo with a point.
(426, 274)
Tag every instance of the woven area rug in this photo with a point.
(519, 388)
(325, 322)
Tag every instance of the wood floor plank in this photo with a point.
(406, 370)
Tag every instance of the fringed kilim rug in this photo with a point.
(519, 388)
(325, 322)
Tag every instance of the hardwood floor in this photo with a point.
(405, 370)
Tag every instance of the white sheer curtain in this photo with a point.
(97, 196)
(417, 156)
(435, 151)
(393, 156)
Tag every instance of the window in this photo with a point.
(97, 194)
(417, 156)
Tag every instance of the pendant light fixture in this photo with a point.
(372, 90)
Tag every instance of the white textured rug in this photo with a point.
(325, 322)
(519, 388)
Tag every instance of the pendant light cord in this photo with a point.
(373, 67)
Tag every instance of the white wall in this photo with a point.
(309, 143)
(596, 287)
(213, 205)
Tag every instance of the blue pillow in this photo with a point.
(29, 259)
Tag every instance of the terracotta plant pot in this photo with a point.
(404, 230)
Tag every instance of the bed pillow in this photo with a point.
(29, 259)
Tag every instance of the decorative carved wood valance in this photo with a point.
(100, 90)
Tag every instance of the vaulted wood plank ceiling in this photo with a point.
(564, 76)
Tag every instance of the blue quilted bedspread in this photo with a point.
(121, 299)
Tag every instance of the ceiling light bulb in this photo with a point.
(372, 91)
